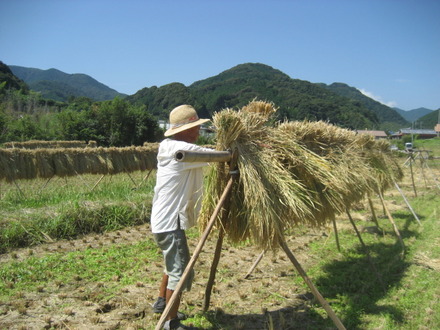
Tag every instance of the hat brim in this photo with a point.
(176, 130)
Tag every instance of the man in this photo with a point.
(176, 204)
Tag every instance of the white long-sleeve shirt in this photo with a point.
(179, 188)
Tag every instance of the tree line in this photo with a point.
(25, 115)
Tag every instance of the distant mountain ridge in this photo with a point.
(57, 85)
(383, 112)
(296, 99)
(413, 115)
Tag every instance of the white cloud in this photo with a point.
(377, 98)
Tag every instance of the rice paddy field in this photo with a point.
(76, 252)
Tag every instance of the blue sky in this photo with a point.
(389, 49)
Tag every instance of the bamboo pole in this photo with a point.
(407, 203)
(314, 290)
(390, 217)
(145, 178)
(335, 229)
(412, 174)
(18, 187)
(255, 264)
(45, 184)
(190, 266)
(218, 248)
(96, 184)
(373, 212)
(131, 178)
(202, 156)
(215, 261)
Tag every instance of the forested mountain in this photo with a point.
(9, 79)
(388, 117)
(26, 115)
(429, 121)
(413, 115)
(296, 99)
(57, 85)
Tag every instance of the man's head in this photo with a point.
(184, 121)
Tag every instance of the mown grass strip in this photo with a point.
(76, 220)
(116, 266)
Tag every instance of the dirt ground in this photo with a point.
(237, 303)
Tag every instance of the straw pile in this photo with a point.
(290, 173)
(45, 163)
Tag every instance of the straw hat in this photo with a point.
(182, 118)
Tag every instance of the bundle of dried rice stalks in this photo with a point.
(267, 198)
(383, 164)
(37, 144)
(290, 173)
(44, 163)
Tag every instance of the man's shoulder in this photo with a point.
(179, 145)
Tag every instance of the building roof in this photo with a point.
(373, 133)
(417, 131)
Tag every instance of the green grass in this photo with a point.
(384, 291)
(432, 145)
(112, 267)
(35, 211)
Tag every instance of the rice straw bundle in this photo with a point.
(100, 163)
(5, 165)
(116, 160)
(267, 199)
(62, 163)
(45, 165)
(92, 144)
(37, 144)
(294, 172)
(384, 166)
(19, 163)
(350, 176)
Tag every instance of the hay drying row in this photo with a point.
(45, 163)
(291, 173)
(37, 144)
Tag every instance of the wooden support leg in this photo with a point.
(145, 178)
(215, 261)
(255, 264)
(335, 229)
(45, 184)
(96, 184)
(373, 213)
(196, 254)
(390, 217)
(314, 290)
(412, 175)
(18, 188)
(131, 178)
(407, 203)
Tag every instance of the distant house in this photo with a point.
(376, 134)
(437, 129)
(421, 133)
